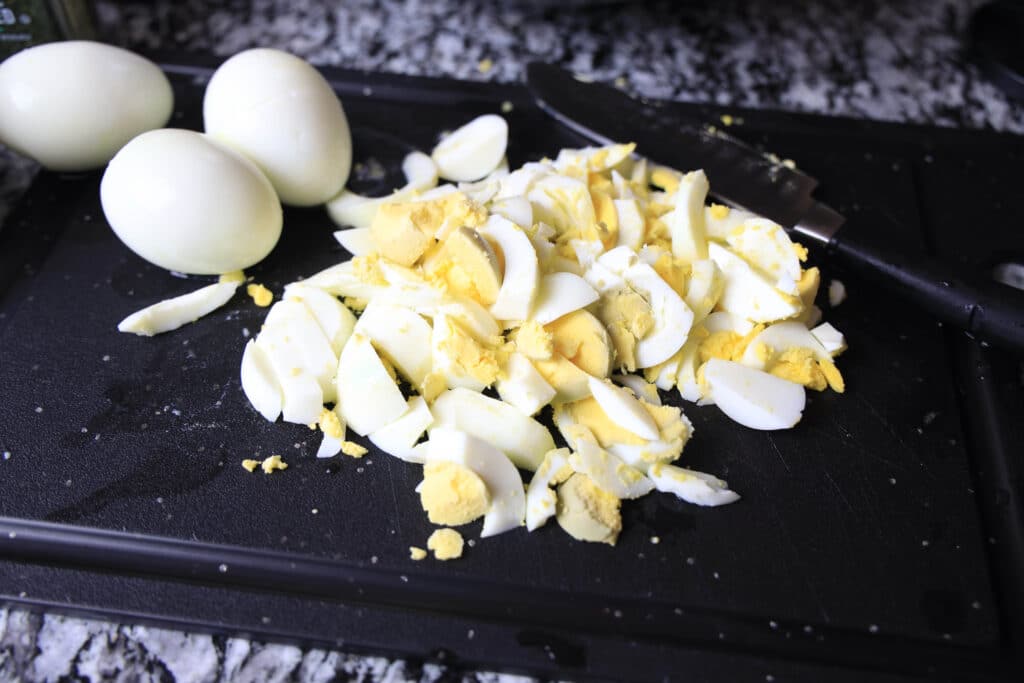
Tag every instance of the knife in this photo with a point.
(744, 177)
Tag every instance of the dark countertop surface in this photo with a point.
(897, 61)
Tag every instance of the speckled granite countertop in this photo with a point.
(900, 61)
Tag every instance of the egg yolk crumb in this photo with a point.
(250, 465)
(233, 276)
(719, 212)
(628, 318)
(581, 338)
(533, 341)
(330, 424)
(272, 464)
(432, 386)
(452, 494)
(352, 449)
(446, 544)
(417, 553)
(260, 295)
(469, 355)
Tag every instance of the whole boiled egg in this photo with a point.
(281, 113)
(186, 203)
(72, 105)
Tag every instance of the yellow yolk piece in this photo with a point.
(588, 412)
(832, 376)
(587, 512)
(355, 303)
(674, 271)
(583, 340)
(403, 231)
(469, 266)
(250, 465)
(628, 318)
(446, 544)
(417, 553)
(719, 212)
(330, 424)
(352, 449)
(798, 365)
(666, 179)
(260, 295)
(233, 276)
(367, 269)
(801, 251)
(726, 344)
(433, 385)
(564, 376)
(807, 286)
(607, 215)
(533, 341)
(451, 494)
(473, 358)
(272, 464)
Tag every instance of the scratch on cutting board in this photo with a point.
(778, 452)
(839, 491)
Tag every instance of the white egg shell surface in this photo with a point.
(278, 110)
(186, 203)
(72, 105)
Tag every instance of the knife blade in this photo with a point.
(744, 177)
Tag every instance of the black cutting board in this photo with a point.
(858, 543)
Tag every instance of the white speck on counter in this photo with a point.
(655, 540)
(39, 409)
(836, 293)
(925, 544)
(470, 634)
(7, 455)
(773, 625)
(873, 628)
(223, 568)
(315, 511)
(892, 480)
(106, 358)
(691, 561)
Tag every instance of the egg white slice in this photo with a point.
(330, 446)
(622, 409)
(341, 280)
(333, 317)
(608, 471)
(508, 499)
(518, 182)
(472, 151)
(400, 335)
(686, 221)
(351, 209)
(672, 317)
(541, 501)
(686, 376)
(748, 293)
(703, 288)
(560, 294)
(524, 387)
(642, 456)
(766, 245)
(170, 314)
(400, 437)
(722, 321)
(754, 398)
(778, 338)
(692, 486)
(521, 277)
(831, 338)
(719, 228)
(367, 396)
(356, 241)
(619, 259)
(445, 360)
(295, 343)
(631, 223)
(562, 202)
(602, 279)
(506, 427)
(640, 387)
(516, 209)
(259, 382)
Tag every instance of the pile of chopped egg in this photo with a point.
(576, 287)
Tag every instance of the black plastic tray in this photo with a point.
(881, 538)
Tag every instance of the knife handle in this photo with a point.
(986, 309)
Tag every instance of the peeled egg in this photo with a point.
(474, 150)
(72, 105)
(186, 203)
(281, 113)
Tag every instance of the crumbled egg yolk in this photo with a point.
(719, 212)
(666, 179)
(261, 296)
(451, 494)
(446, 544)
(417, 554)
(675, 272)
(468, 265)
(250, 465)
(470, 356)
(583, 340)
(273, 464)
(533, 341)
(233, 276)
(330, 424)
(587, 512)
(485, 65)
(352, 449)
(432, 386)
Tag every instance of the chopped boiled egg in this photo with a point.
(523, 386)
(367, 394)
(754, 398)
(587, 512)
(503, 484)
(452, 494)
(474, 150)
(171, 314)
(561, 293)
(446, 544)
(540, 499)
(692, 486)
(399, 438)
